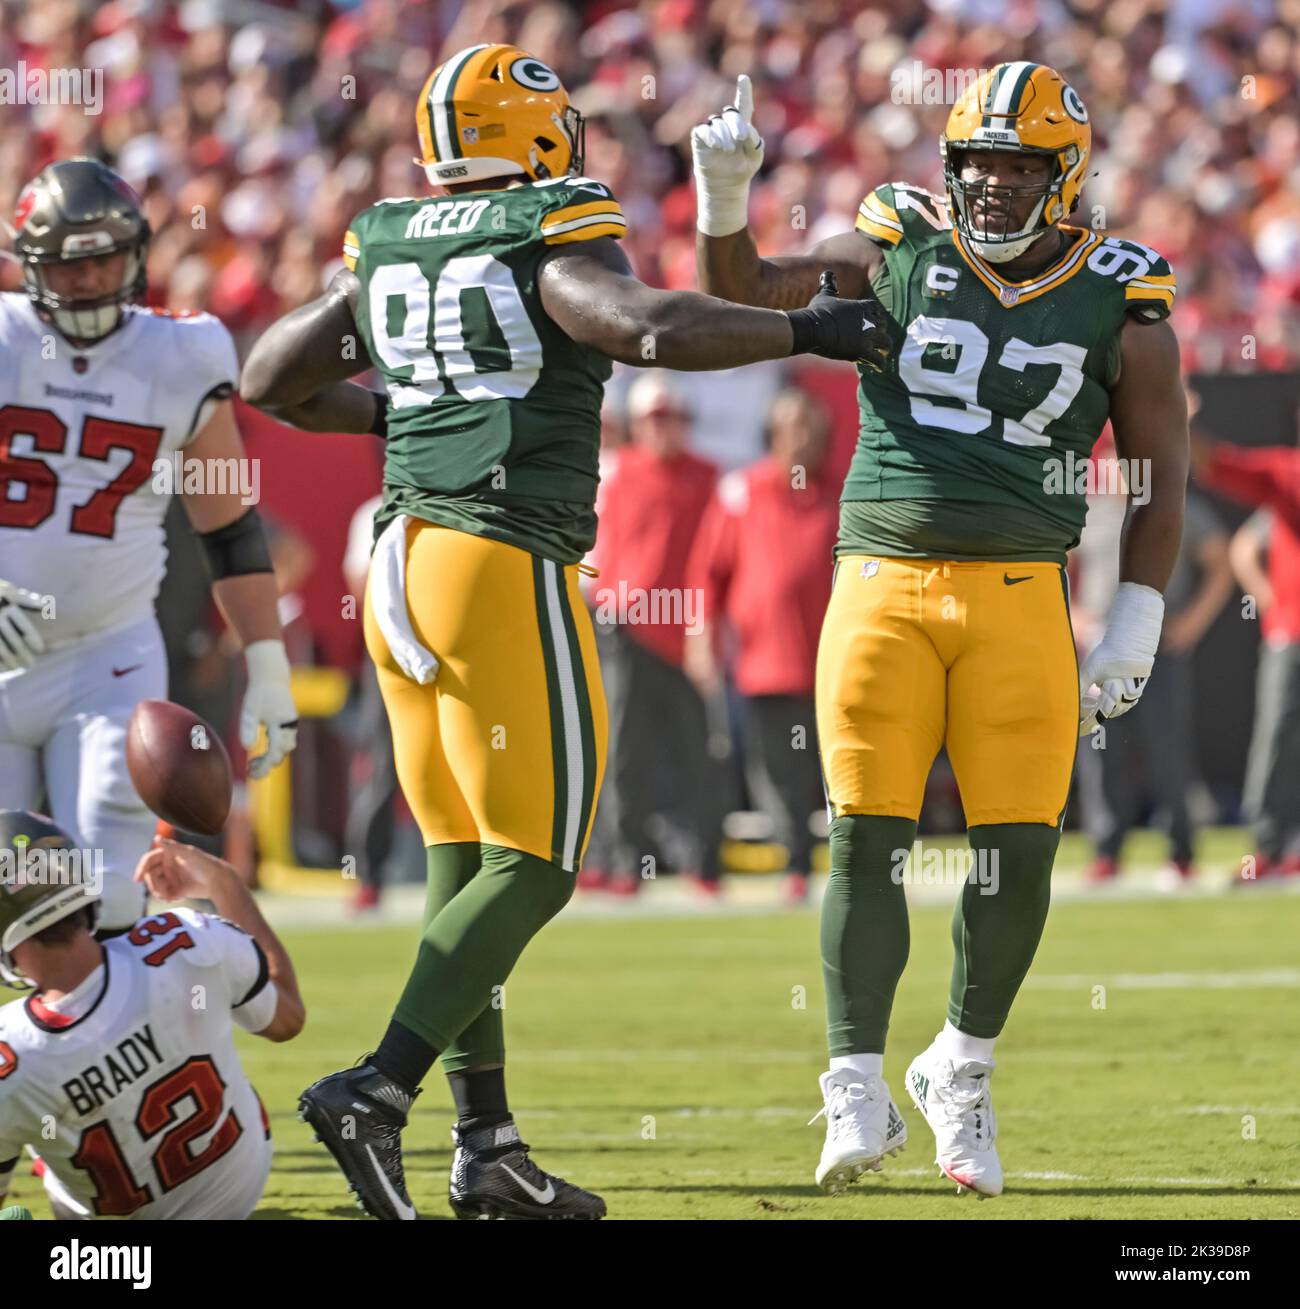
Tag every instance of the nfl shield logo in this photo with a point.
(1009, 295)
(470, 134)
(870, 568)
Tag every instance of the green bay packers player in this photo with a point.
(1016, 337)
(492, 314)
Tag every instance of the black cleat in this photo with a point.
(493, 1177)
(358, 1116)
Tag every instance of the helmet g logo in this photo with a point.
(534, 74)
(1073, 105)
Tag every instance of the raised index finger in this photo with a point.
(745, 97)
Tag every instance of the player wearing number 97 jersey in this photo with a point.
(491, 312)
(119, 1069)
(106, 410)
(1017, 336)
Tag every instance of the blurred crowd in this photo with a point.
(255, 129)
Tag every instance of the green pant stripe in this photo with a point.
(1069, 622)
(558, 769)
(586, 721)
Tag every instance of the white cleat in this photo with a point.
(862, 1126)
(954, 1097)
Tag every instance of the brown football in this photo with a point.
(179, 766)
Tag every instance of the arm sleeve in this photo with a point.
(1149, 296)
(878, 218)
(582, 210)
(243, 968)
(212, 365)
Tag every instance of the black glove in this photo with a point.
(841, 329)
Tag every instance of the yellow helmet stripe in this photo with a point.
(442, 111)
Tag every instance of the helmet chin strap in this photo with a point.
(1001, 252)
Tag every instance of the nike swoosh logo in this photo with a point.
(1011, 581)
(404, 1211)
(122, 672)
(542, 1197)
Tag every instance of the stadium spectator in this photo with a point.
(643, 609)
(1269, 477)
(1149, 752)
(255, 132)
(763, 563)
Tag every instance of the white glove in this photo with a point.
(728, 152)
(20, 642)
(268, 703)
(1121, 663)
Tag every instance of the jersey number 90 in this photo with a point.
(467, 333)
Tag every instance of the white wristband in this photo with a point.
(267, 660)
(1133, 625)
(722, 207)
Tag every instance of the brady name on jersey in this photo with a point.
(120, 1069)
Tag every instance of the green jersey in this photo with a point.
(997, 392)
(493, 412)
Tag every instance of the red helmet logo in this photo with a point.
(26, 202)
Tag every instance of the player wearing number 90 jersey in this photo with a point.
(1016, 337)
(492, 312)
(494, 411)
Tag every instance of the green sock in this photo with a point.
(864, 929)
(472, 941)
(450, 869)
(998, 922)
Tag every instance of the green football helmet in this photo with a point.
(30, 906)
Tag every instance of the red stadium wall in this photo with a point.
(313, 484)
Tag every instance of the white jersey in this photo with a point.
(82, 432)
(140, 1108)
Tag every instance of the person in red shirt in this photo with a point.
(1269, 477)
(763, 561)
(643, 608)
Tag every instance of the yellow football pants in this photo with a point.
(506, 746)
(919, 653)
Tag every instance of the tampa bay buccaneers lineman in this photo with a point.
(94, 392)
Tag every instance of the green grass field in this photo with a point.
(669, 1061)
